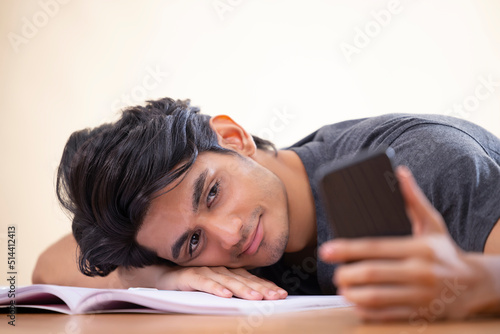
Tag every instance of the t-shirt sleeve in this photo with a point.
(459, 173)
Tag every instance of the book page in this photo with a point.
(52, 296)
(194, 302)
(87, 300)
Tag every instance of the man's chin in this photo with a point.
(274, 256)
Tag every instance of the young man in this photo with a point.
(198, 201)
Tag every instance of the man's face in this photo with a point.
(227, 211)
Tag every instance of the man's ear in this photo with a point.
(232, 136)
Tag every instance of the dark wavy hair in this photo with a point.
(109, 175)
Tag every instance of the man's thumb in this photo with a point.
(424, 217)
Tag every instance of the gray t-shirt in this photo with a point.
(455, 162)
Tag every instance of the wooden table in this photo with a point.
(341, 320)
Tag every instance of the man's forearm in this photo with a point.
(58, 265)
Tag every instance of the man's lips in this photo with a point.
(254, 240)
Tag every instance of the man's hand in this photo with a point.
(220, 281)
(422, 276)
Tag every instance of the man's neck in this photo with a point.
(301, 208)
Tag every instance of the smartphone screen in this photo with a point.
(362, 196)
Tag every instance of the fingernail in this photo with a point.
(272, 293)
(226, 292)
(404, 171)
(282, 292)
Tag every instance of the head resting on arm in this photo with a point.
(109, 175)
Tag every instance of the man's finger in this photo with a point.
(205, 284)
(388, 296)
(268, 288)
(409, 271)
(242, 282)
(342, 250)
(386, 313)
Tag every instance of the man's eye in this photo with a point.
(193, 242)
(213, 193)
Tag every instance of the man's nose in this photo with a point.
(228, 232)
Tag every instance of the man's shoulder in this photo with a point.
(334, 141)
(393, 122)
(369, 132)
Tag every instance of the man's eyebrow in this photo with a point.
(198, 189)
(176, 248)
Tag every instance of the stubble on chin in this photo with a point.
(276, 250)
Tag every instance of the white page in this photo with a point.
(36, 293)
(204, 303)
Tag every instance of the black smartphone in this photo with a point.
(362, 196)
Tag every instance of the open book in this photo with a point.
(73, 300)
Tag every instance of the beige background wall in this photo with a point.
(277, 67)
